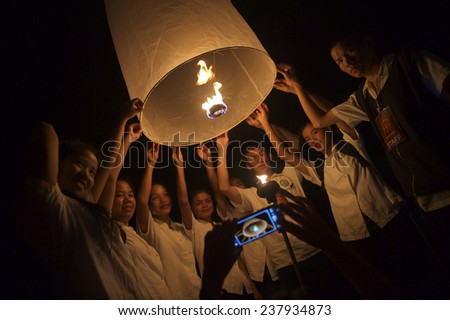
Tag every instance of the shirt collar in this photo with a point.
(382, 76)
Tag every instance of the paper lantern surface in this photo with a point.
(158, 45)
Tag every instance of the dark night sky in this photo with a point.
(60, 65)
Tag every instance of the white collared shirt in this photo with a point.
(353, 190)
(433, 72)
(148, 263)
(177, 256)
(87, 260)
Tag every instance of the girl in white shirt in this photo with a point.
(197, 219)
(143, 256)
(154, 206)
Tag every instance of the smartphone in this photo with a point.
(257, 225)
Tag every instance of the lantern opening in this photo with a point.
(217, 110)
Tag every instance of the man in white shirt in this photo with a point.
(406, 100)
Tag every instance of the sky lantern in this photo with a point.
(196, 64)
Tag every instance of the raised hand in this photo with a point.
(153, 154)
(178, 157)
(204, 153)
(134, 131)
(251, 120)
(289, 80)
(132, 108)
(262, 114)
(309, 227)
(223, 139)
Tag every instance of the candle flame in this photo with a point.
(215, 99)
(204, 74)
(262, 178)
(214, 105)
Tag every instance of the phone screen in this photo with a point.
(257, 225)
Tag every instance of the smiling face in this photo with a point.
(355, 59)
(77, 172)
(314, 137)
(202, 205)
(124, 202)
(160, 201)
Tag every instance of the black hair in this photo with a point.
(351, 38)
(132, 223)
(250, 145)
(215, 216)
(302, 127)
(69, 147)
(235, 176)
(107, 225)
(128, 180)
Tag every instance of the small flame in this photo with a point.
(262, 178)
(204, 74)
(214, 100)
(214, 105)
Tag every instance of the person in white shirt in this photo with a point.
(406, 99)
(154, 205)
(197, 214)
(142, 255)
(405, 147)
(77, 239)
(118, 198)
(319, 277)
(355, 191)
(254, 254)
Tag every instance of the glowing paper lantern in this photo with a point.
(159, 44)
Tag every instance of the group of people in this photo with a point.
(391, 242)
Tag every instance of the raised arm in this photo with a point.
(44, 163)
(222, 171)
(112, 151)
(294, 159)
(205, 154)
(106, 199)
(326, 105)
(182, 193)
(310, 102)
(143, 197)
(284, 134)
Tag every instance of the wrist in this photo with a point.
(208, 163)
(298, 87)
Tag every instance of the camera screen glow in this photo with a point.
(256, 225)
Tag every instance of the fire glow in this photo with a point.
(214, 105)
(262, 178)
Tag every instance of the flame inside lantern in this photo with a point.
(214, 105)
